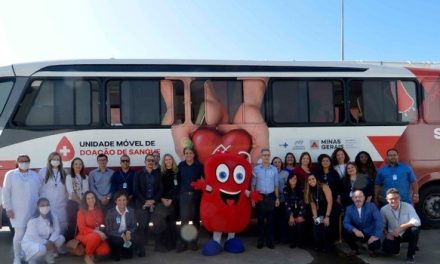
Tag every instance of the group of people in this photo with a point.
(368, 204)
(109, 211)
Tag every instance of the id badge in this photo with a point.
(124, 186)
(118, 220)
(395, 177)
(351, 194)
(175, 182)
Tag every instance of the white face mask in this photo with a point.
(55, 163)
(44, 210)
(23, 165)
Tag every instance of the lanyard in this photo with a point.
(397, 217)
(56, 176)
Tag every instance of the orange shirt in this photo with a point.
(89, 220)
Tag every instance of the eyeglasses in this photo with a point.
(125, 161)
(150, 160)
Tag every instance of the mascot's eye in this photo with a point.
(239, 174)
(222, 173)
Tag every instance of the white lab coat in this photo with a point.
(37, 234)
(56, 193)
(20, 194)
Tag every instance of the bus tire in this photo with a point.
(428, 207)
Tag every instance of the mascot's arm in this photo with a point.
(201, 185)
(254, 196)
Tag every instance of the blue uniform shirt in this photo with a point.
(400, 177)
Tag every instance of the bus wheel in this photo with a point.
(429, 206)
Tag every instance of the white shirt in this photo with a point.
(20, 194)
(77, 185)
(55, 191)
(340, 168)
(123, 225)
(38, 232)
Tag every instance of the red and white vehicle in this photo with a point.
(82, 108)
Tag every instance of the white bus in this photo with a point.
(83, 108)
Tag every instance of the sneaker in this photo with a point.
(410, 260)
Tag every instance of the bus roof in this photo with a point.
(214, 68)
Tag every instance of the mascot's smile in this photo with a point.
(230, 198)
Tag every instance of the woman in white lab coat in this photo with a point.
(42, 238)
(20, 195)
(54, 188)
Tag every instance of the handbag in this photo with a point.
(75, 247)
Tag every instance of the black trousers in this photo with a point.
(117, 250)
(321, 237)
(296, 234)
(351, 240)
(411, 236)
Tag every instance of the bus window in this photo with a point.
(306, 101)
(5, 89)
(431, 101)
(56, 102)
(215, 101)
(382, 101)
(179, 103)
(134, 102)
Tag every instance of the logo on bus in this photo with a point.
(314, 144)
(65, 148)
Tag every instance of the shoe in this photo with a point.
(141, 253)
(270, 245)
(88, 260)
(49, 258)
(410, 260)
(180, 247)
(260, 245)
(193, 246)
(372, 254)
(353, 253)
(292, 246)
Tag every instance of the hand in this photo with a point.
(50, 246)
(255, 196)
(415, 199)
(277, 202)
(299, 219)
(358, 233)
(397, 231)
(166, 202)
(104, 200)
(199, 184)
(291, 221)
(101, 234)
(390, 236)
(208, 188)
(10, 214)
(372, 239)
(326, 221)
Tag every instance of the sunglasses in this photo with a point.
(125, 161)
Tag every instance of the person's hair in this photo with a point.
(371, 169)
(346, 178)
(335, 161)
(22, 156)
(37, 212)
(102, 155)
(119, 194)
(124, 155)
(302, 156)
(297, 187)
(49, 169)
(148, 155)
(163, 168)
(188, 148)
(274, 158)
(82, 172)
(264, 149)
(320, 168)
(392, 191)
(84, 205)
(307, 192)
(290, 154)
(392, 149)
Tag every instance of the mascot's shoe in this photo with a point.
(211, 248)
(234, 245)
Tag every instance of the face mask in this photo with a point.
(55, 163)
(23, 165)
(44, 210)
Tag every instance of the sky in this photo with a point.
(281, 30)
